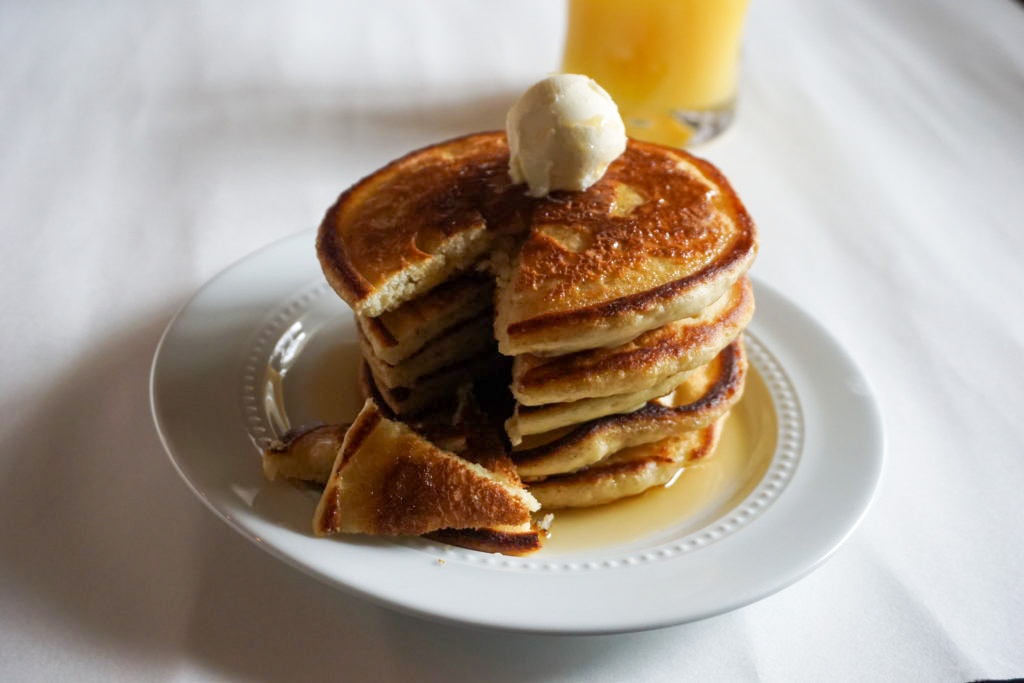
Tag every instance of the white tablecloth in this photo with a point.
(146, 146)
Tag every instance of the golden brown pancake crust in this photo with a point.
(412, 488)
(586, 261)
(482, 443)
(491, 540)
(629, 472)
(402, 213)
(675, 221)
(599, 471)
(395, 220)
(669, 349)
(414, 485)
(596, 439)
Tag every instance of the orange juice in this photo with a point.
(659, 59)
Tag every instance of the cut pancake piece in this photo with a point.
(398, 334)
(707, 394)
(435, 388)
(465, 340)
(389, 480)
(668, 350)
(537, 419)
(482, 443)
(306, 453)
(411, 225)
(628, 472)
(660, 237)
(483, 437)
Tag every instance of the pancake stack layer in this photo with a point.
(593, 426)
(621, 308)
(419, 353)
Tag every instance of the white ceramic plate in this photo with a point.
(266, 344)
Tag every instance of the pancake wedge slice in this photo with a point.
(707, 394)
(482, 443)
(628, 472)
(416, 222)
(389, 480)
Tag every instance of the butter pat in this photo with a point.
(563, 132)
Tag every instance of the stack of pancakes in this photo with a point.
(621, 307)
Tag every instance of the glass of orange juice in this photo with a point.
(671, 65)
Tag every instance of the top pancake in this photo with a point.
(661, 236)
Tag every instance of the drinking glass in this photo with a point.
(671, 65)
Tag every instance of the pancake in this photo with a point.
(660, 237)
(398, 334)
(387, 480)
(428, 391)
(537, 419)
(628, 472)
(668, 350)
(305, 454)
(464, 340)
(599, 295)
(411, 225)
(707, 394)
(308, 454)
(482, 443)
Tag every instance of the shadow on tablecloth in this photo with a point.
(101, 535)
